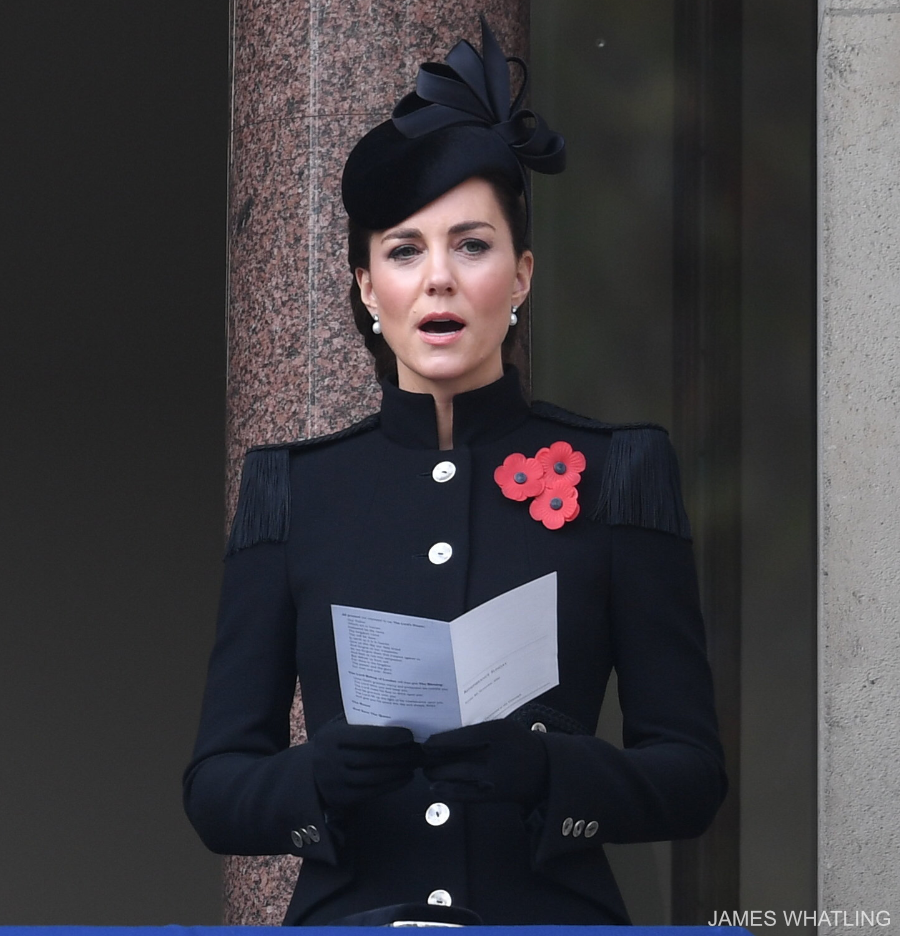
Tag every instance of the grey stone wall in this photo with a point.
(859, 450)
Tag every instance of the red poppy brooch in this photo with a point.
(551, 478)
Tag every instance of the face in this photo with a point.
(443, 283)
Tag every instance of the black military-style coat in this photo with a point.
(350, 519)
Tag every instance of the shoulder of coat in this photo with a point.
(640, 484)
(364, 425)
(558, 414)
(264, 503)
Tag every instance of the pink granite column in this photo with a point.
(310, 76)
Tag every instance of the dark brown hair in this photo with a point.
(512, 204)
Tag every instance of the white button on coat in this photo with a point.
(590, 830)
(539, 726)
(437, 814)
(440, 553)
(567, 825)
(443, 471)
(440, 898)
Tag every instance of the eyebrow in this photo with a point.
(412, 233)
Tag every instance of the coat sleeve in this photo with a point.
(246, 790)
(669, 780)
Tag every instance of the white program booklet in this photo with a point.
(431, 676)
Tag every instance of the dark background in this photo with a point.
(606, 344)
(112, 363)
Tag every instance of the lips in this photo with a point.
(441, 323)
(441, 328)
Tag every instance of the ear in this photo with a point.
(364, 281)
(524, 270)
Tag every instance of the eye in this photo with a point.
(474, 246)
(403, 252)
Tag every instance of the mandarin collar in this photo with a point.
(479, 416)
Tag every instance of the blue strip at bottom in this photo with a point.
(354, 930)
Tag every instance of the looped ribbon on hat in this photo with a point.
(467, 89)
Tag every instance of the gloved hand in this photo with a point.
(496, 761)
(353, 763)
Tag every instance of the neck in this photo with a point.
(443, 407)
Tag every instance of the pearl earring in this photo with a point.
(513, 318)
(376, 325)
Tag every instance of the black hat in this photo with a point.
(458, 123)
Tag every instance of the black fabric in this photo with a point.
(263, 510)
(532, 712)
(354, 763)
(496, 761)
(459, 123)
(264, 504)
(642, 486)
(364, 511)
(479, 416)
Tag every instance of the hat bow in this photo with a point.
(467, 88)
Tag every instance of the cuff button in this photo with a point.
(590, 830)
(567, 825)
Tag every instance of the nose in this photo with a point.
(439, 278)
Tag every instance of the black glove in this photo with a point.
(353, 763)
(496, 761)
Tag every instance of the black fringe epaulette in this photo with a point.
(641, 485)
(264, 503)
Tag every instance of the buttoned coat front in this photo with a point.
(350, 520)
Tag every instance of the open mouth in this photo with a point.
(441, 326)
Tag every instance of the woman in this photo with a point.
(456, 492)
